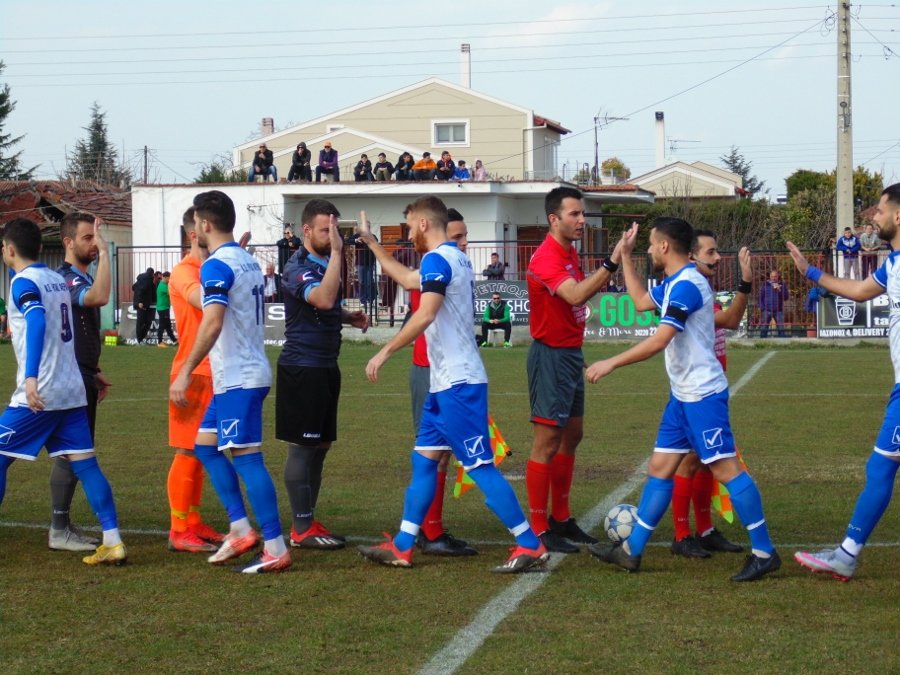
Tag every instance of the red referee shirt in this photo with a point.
(552, 320)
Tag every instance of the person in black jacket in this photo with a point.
(287, 247)
(383, 169)
(144, 300)
(263, 165)
(362, 172)
(404, 168)
(300, 160)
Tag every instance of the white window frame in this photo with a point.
(450, 144)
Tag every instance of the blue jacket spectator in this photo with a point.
(461, 172)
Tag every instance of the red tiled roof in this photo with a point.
(551, 124)
(621, 187)
(46, 201)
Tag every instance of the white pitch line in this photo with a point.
(470, 638)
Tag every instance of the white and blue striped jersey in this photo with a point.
(452, 351)
(685, 302)
(888, 275)
(232, 277)
(37, 288)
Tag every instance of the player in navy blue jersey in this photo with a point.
(881, 467)
(308, 377)
(696, 416)
(49, 407)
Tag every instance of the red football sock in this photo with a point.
(433, 525)
(194, 517)
(180, 485)
(561, 469)
(681, 507)
(701, 493)
(537, 483)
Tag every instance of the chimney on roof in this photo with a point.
(465, 65)
(660, 139)
(267, 127)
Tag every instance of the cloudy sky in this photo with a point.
(191, 79)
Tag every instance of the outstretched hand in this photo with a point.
(800, 261)
(744, 261)
(599, 370)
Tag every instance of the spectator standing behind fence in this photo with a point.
(404, 168)
(287, 247)
(870, 244)
(461, 173)
(494, 271)
(163, 308)
(383, 169)
(771, 303)
(424, 169)
(365, 271)
(328, 163)
(849, 246)
(300, 169)
(144, 296)
(445, 166)
(272, 284)
(263, 165)
(479, 173)
(362, 172)
(496, 316)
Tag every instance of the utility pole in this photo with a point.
(146, 165)
(844, 206)
(605, 120)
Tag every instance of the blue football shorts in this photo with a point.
(701, 426)
(456, 419)
(888, 441)
(236, 418)
(63, 432)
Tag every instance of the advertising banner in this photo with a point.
(274, 331)
(843, 318)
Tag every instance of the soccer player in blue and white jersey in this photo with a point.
(49, 407)
(881, 468)
(231, 332)
(696, 416)
(455, 415)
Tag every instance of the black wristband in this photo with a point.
(745, 287)
(609, 265)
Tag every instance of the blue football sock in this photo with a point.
(97, 491)
(747, 504)
(654, 501)
(223, 478)
(874, 499)
(500, 498)
(5, 463)
(419, 496)
(260, 492)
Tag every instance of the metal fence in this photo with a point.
(392, 301)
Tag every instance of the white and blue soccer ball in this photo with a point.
(620, 521)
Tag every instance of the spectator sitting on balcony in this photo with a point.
(383, 168)
(362, 172)
(445, 166)
(425, 168)
(300, 169)
(328, 163)
(480, 173)
(494, 271)
(404, 168)
(461, 173)
(263, 165)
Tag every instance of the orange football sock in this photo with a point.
(701, 495)
(194, 517)
(181, 489)
(433, 525)
(537, 483)
(681, 507)
(561, 469)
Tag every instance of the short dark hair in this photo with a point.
(318, 207)
(187, 221)
(216, 208)
(695, 244)
(68, 226)
(554, 199)
(25, 235)
(677, 231)
(452, 214)
(893, 193)
(495, 254)
(433, 208)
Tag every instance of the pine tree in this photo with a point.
(10, 164)
(734, 161)
(94, 158)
